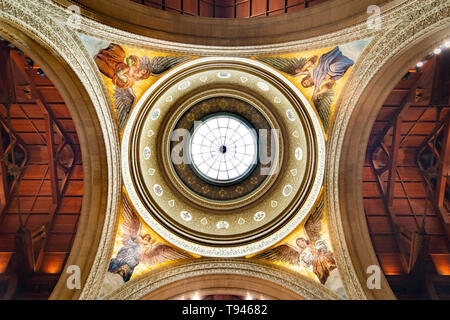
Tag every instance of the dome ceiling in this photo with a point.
(162, 100)
(208, 218)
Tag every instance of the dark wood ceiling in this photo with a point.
(403, 184)
(230, 8)
(35, 127)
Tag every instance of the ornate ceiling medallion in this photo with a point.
(214, 177)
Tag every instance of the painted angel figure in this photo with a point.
(321, 74)
(125, 71)
(312, 251)
(138, 247)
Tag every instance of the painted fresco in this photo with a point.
(308, 251)
(319, 74)
(137, 250)
(128, 72)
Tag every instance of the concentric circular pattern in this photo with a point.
(192, 178)
(223, 149)
(229, 206)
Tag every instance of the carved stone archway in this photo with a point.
(58, 51)
(215, 274)
(387, 58)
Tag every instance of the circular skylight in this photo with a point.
(223, 149)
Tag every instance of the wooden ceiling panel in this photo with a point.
(415, 189)
(74, 188)
(411, 141)
(379, 224)
(386, 113)
(230, 8)
(370, 190)
(65, 223)
(410, 174)
(374, 207)
(391, 264)
(368, 175)
(70, 205)
(384, 243)
(404, 208)
(59, 242)
(35, 204)
(38, 207)
(33, 187)
(53, 263)
(6, 242)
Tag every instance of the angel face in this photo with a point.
(147, 237)
(122, 78)
(133, 61)
(321, 246)
(307, 81)
(302, 243)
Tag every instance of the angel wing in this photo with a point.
(161, 253)
(323, 106)
(313, 225)
(288, 65)
(158, 65)
(123, 100)
(131, 224)
(284, 253)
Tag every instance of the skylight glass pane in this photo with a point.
(223, 148)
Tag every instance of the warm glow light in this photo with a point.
(52, 268)
(441, 263)
(249, 296)
(437, 51)
(419, 64)
(447, 44)
(4, 261)
(196, 296)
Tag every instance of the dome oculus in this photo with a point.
(223, 149)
